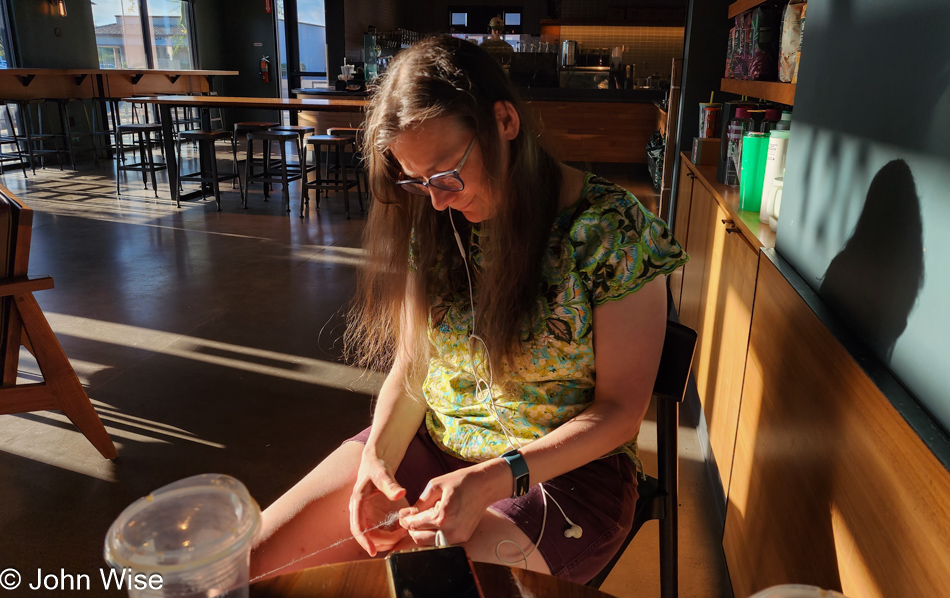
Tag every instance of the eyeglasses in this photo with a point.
(449, 180)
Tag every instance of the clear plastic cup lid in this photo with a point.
(187, 524)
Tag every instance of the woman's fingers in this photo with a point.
(423, 537)
(358, 524)
(386, 482)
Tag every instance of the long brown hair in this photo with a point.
(446, 77)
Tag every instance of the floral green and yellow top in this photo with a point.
(601, 249)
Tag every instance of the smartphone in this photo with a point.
(432, 573)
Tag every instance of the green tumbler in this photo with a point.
(755, 148)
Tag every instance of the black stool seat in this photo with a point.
(136, 127)
(272, 135)
(195, 135)
(294, 128)
(253, 124)
(328, 140)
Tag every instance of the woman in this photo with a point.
(470, 211)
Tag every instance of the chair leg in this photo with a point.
(141, 141)
(285, 176)
(267, 147)
(151, 161)
(234, 166)
(247, 171)
(667, 460)
(118, 167)
(304, 195)
(60, 377)
(214, 175)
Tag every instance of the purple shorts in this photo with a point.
(599, 497)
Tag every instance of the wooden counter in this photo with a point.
(756, 233)
(35, 83)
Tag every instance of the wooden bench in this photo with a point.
(22, 323)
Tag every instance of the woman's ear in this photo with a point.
(509, 123)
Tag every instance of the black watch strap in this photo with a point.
(519, 469)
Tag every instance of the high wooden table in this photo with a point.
(166, 103)
(367, 579)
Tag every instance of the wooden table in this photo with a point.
(367, 579)
(166, 103)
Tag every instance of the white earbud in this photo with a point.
(574, 531)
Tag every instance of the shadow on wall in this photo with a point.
(882, 259)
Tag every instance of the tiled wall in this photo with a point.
(650, 48)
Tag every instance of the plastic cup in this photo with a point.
(709, 119)
(192, 538)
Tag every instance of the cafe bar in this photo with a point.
(457, 298)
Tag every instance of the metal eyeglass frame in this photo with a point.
(455, 173)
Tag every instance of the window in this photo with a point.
(136, 34)
(5, 46)
(170, 30)
(459, 19)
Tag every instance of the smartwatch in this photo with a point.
(519, 469)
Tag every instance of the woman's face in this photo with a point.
(437, 146)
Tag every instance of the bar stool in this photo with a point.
(65, 103)
(105, 120)
(320, 183)
(356, 158)
(205, 140)
(302, 131)
(59, 140)
(146, 163)
(10, 136)
(241, 129)
(271, 172)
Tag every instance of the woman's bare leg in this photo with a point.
(311, 516)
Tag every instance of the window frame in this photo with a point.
(9, 36)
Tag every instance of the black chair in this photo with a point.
(658, 495)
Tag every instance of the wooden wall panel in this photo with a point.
(595, 131)
(728, 317)
(830, 486)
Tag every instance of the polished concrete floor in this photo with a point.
(210, 342)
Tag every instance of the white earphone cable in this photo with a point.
(575, 530)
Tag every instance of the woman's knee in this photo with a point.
(497, 540)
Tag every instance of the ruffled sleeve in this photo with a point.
(618, 245)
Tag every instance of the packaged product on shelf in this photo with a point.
(763, 44)
(705, 151)
(752, 173)
(730, 52)
(790, 39)
(738, 63)
(746, 41)
(801, 40)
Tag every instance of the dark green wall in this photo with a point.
(227, 31)
(38, 45)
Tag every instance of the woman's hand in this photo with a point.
(455, 502)
(372, 502)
